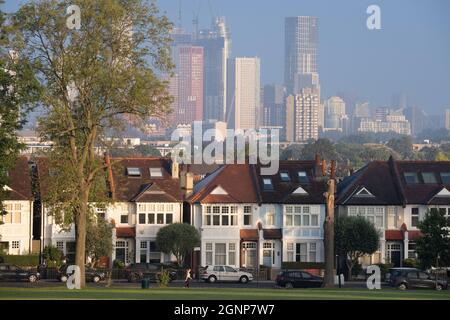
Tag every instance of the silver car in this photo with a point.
(212, 274)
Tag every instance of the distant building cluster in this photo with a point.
(210, 85)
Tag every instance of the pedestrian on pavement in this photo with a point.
(188, 278)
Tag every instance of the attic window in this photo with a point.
(267, 182)
(445, 177)
(429, 177)
(156, 173)
(364, 193)
(285, 176)
(411, 177)
(133, 172)
(302, 177)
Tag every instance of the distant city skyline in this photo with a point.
(409, 55)
(371, 65)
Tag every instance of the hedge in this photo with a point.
(303, 265)
(31, 260)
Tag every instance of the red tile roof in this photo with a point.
(249, 234)
(135, 188)
(236, 179)
(272, 234)
(414, 235)
(394, 235)
(19, 181)
(125, 232)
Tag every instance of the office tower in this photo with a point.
(381, 113)
(334, 113)
(300, 60)
(274, 105)
(302, 116)
(400, 100)
(216, 50)
(189, 85)
(394, 121)
(447, 119)
(243, 92)
(416, 118)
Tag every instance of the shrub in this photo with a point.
(31, 260)
(411, 263)
(52, 256)
(163, 279)
(119, 264)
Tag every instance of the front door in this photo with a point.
(394, 253)
(268, 254)
(249, 255)
(396, 258)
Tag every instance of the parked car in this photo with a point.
(298, 279)
(212, 274)
(91, 275)
(151, 271)
(409, 278)
(11, 272)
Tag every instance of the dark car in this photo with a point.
(151, 271)
(91, 275)
(11, 272)
(298, 279)
(409, 278)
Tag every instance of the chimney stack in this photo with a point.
(333, 169)
(317, 166)
(175, 170)
(324, 168)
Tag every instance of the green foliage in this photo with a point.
(19, 90)
(433, 247)
(355, 237)
(31, 260)
(99, 239)
(163, 278)
(52, 255)
(94, 80)
(303, 265)
(140, 151)
(179, 239)
(403, 146)
(410, 263)
(119, 264)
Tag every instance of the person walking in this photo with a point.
(187, 281)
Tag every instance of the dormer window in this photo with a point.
(267, 183)
(284, 176)
(429, 177)
(445, 177)
(411, 177)
(133, 172)
(302, 177)
(156, 172)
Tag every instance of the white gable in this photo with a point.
(363, 192)
(443, 193)
(299, 190)
(219, 190)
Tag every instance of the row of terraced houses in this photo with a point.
(244, 219)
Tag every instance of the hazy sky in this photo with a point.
(410, 54)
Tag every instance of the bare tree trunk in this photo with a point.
(80, 235)
(350, 268)
(329, 235)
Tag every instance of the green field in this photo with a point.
(216, 294)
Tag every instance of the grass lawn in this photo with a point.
(216, 294)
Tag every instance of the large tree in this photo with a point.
(18, 92)
(96, 79)
(355, 237)
(433, 248)
(179, 239)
